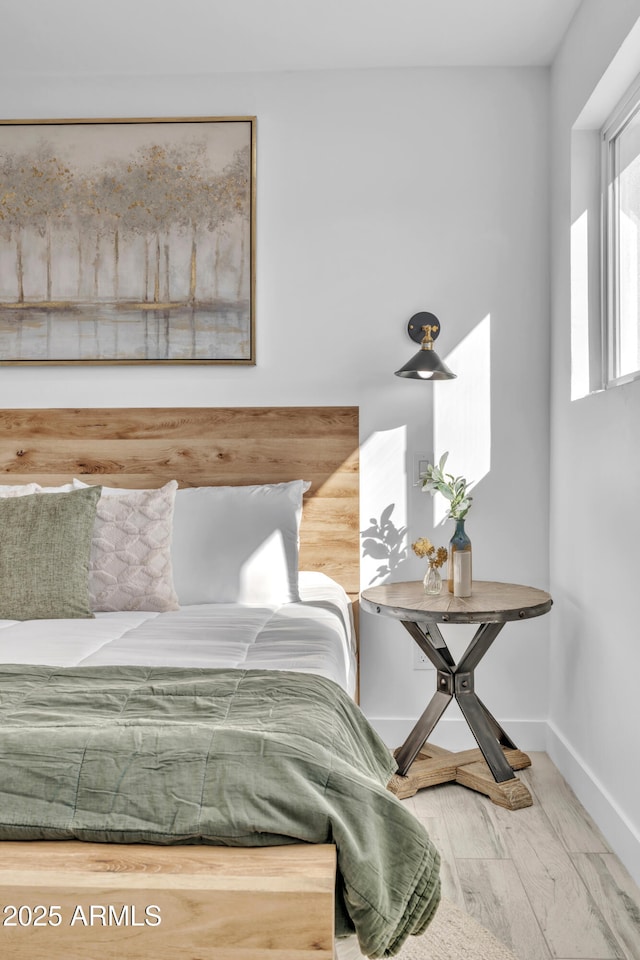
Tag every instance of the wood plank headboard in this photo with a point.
(201, 446)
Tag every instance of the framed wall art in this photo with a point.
(127, 241)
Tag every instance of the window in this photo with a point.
(621, 240)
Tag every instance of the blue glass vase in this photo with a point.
(459, 569)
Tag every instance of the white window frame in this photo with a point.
(626, 110)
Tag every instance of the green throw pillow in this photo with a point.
(45, 540)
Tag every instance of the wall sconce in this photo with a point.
(426, 364)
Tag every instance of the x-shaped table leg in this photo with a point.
(457, 680)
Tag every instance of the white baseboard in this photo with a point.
(621, 835)
(453, 734)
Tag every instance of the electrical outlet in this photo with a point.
(420, 659)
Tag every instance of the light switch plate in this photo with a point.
(420, 461)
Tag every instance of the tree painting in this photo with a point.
(127, 241)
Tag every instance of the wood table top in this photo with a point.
(490, 602)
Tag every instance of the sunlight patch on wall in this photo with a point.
(585, 265)
(580, 306)
(462, 411)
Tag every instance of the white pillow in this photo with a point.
(23, 489)
(18, 489)
(130, 563)
(63, 488)
(237, 544)
(111, 491)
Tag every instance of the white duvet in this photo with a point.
(313, 636)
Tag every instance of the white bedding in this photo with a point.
(312, 636)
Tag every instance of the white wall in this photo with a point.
(595, 472)
(381, 193)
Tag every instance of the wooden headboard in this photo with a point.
(201, 446)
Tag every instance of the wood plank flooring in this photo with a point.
(542, 879)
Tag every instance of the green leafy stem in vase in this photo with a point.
(453, 489)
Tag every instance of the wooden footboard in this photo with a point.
(92, 901)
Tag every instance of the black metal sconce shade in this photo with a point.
(425, 364)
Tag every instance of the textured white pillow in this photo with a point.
(130, 564)
(237, 544)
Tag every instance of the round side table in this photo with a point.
(490, 768)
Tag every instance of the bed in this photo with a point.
(253, 884)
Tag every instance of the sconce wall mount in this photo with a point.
(424, 328)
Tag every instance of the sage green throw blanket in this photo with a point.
(232, 757)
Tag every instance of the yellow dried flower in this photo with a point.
(424, 548)
(442, 556)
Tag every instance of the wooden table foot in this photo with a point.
(435, 765)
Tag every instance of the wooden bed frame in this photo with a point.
(215, 902)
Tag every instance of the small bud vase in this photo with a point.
(459, 572)
(432, 581)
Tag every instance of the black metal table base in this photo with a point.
(457, 680)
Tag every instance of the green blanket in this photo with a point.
(232, 757)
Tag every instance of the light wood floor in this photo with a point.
(543, 879)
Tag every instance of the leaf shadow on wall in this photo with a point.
(383, 540)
